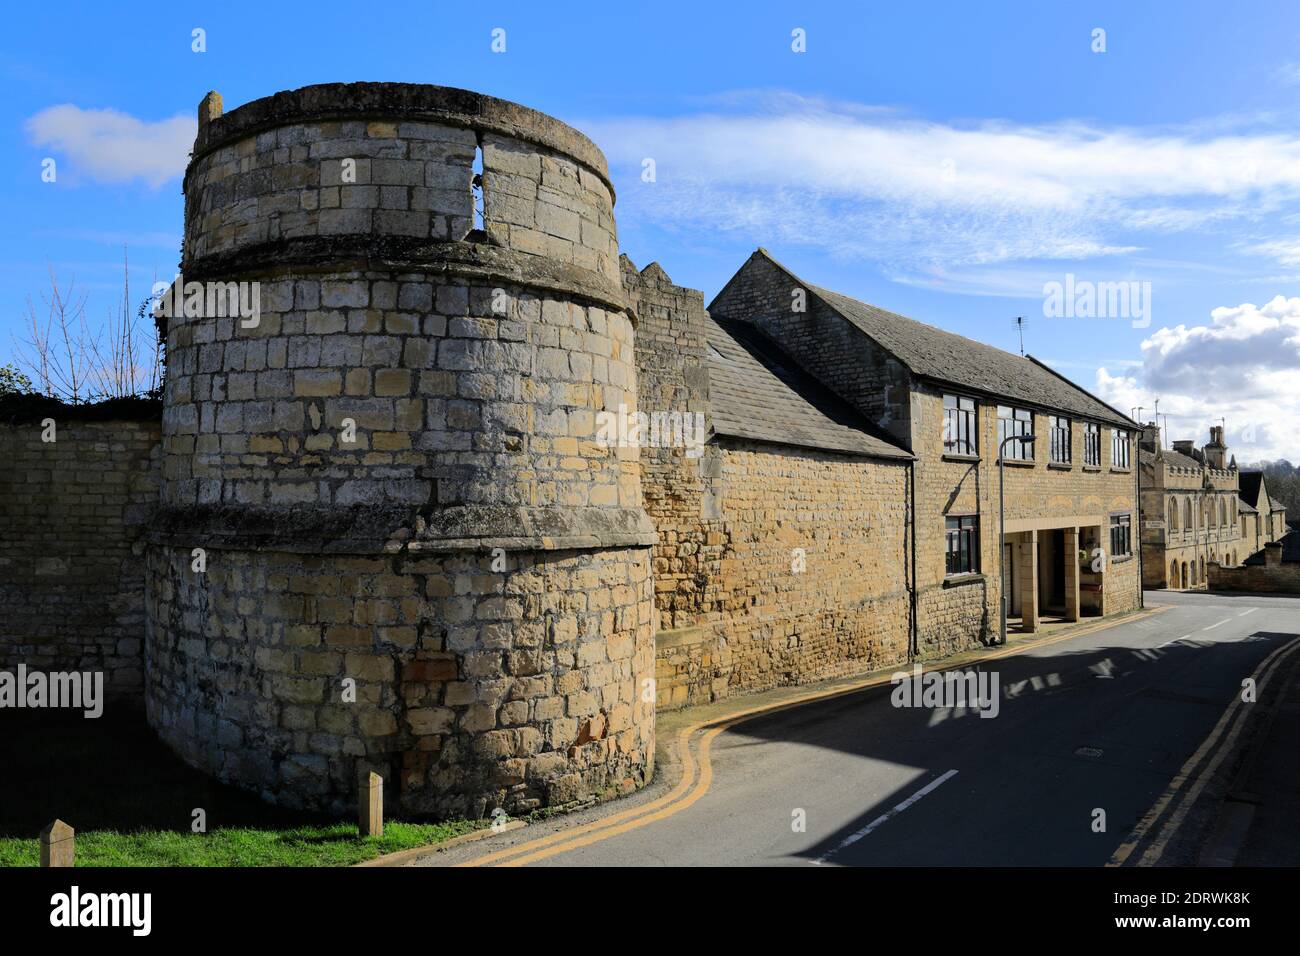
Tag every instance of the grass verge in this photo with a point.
(330, 845)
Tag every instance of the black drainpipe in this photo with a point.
(1137, 473)
(915, 649)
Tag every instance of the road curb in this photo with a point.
(1205, 774)
(429, 849)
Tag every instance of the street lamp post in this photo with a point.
(1002, 522)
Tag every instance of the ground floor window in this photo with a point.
(963, 545)
(1121, 535)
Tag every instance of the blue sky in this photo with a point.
(941, 160)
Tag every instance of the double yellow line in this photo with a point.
(1227, 731)
(697, 775)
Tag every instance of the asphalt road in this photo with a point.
(1100, 722)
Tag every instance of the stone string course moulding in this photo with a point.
(472, 364)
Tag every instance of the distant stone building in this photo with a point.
(1190, 510)
(1199, 509)
(1263, 517)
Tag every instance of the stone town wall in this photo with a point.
(673, 378)
(394, 473)
(1278, 577)
(734, 614)
(474, 689)
(71, 547)
(809, 580)
(815, 564)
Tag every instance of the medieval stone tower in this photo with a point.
(390, 537)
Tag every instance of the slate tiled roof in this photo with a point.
(1254, 491)
(757, 392)
(954, 359)
(1246, 508)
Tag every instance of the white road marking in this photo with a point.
(1213, 626)
(1174, 641)
(1251, 611)
(855, 837)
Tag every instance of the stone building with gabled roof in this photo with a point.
(1067, 547)
(1264, 516)
(845, 511)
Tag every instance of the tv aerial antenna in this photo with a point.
(1021, 322)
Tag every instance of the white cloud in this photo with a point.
(1244, 367)
(918, 196)
(114, 147)
(1283, 251)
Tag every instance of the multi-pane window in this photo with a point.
(1118, 449)
(1058, 428)
(963, 544)
(1121, 535)
(1014, 422)
(1092, 445)
(959, 419)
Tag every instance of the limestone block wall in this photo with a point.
(397, 160)
(806, 576)
(417, 557)
(72, 576)
(1274, 576)
(815, 564)
(474, 689)
(773, 565)
(673, 377)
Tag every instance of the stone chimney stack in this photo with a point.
(1216, 452)
(1150, 437)
(1184, 446)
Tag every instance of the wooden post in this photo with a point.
(370, 805)
(58, 844)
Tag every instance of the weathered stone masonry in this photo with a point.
(387, 530)
(777, 561)
(472, 364)
(71, 543)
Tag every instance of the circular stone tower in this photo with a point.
(391, 536)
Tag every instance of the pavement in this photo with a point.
(1111, 744)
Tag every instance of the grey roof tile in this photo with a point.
(757, 392)
(954, 359)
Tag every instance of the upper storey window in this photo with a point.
(1013, 423)
(1059, 431)
(959, 425)
(1092, 445)
(1119, 449)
